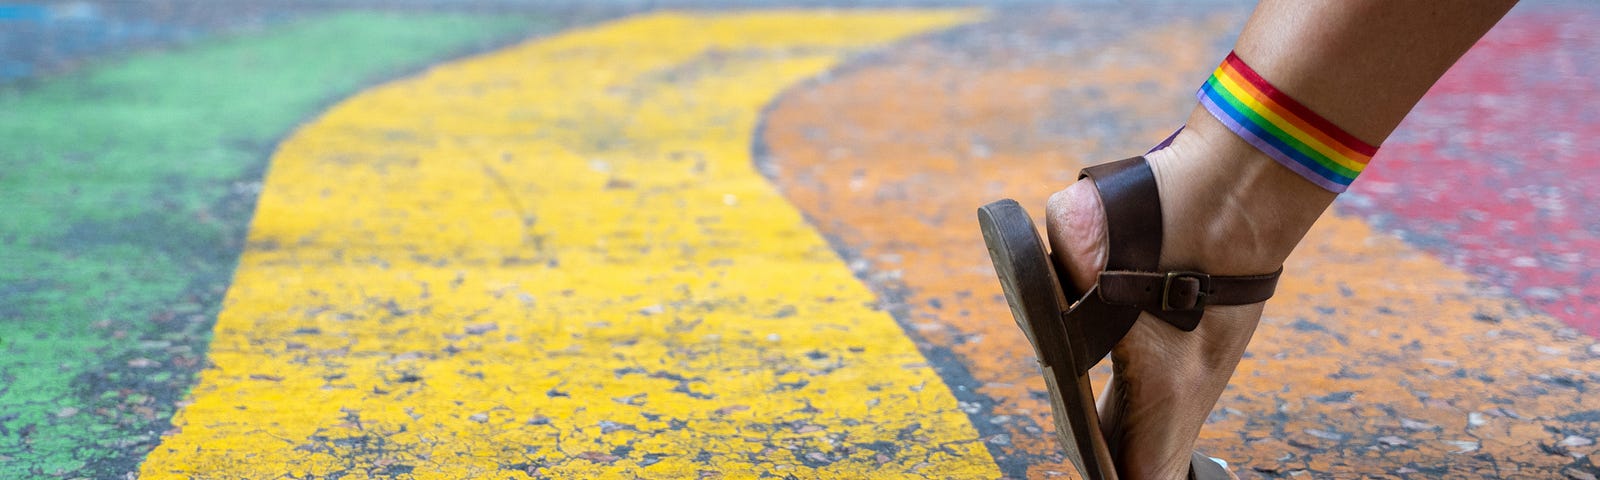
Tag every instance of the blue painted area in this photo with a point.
(24, 12)
(14, 69)
(40, 38)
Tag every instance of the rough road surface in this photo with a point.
(703, 242)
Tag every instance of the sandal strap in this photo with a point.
(1183, 291)
(1132, 203)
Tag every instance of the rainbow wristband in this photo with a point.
(1283, 128)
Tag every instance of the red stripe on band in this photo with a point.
(1289, 103)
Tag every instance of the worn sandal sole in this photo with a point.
(1032, 290)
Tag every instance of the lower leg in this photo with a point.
(1229, 209)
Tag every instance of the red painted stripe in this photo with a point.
(1495, 169)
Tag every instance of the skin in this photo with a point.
(1228, 209)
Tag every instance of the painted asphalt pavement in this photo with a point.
(732, 244)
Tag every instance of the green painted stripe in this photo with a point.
(125, 191)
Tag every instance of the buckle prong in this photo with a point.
(1204, 281)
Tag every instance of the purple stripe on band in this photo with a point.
(1168, 142)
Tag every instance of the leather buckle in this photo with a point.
(1203, 282)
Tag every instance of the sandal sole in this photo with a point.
(1034, 294)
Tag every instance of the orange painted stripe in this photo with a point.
(1373, 359)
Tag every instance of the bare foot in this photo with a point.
(1227, 209)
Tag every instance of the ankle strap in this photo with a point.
(1179, 291)
(1132, 203)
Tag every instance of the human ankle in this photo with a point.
(1227, 208)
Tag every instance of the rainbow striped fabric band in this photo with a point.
(1283, 128)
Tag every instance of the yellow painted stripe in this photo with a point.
(557, 259)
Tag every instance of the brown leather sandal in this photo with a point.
(1072, 331)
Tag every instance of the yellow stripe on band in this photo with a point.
(1321, 143)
